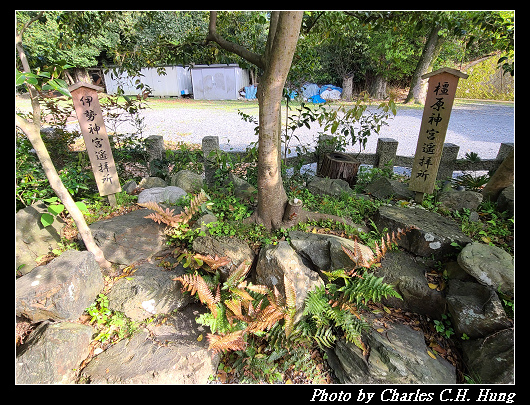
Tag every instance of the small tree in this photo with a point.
(275, 62)
(49, 80)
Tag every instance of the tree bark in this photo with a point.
(338, 165)
(283, 35)
(378, 88)
(418, 87)
(347, 87)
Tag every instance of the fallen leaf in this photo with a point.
(431, 354)
(199, 339)
(387, 310)
(288, 381)
(380, 330)
(433, 286)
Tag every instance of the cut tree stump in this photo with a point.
(336, 165)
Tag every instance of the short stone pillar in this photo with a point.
(447, 161)
(154, 146)
(209, 144)
(504, 151)
(386, 151)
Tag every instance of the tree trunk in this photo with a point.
(502, 178)
(347, 87)
(418, 87)
(283, 35)
(378, 88)
(33, 134)
(271, 194)
(338, 165)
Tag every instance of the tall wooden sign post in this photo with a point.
(97, 143)
(438, 104)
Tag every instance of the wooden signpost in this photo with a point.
(97, 143)
(438, 104)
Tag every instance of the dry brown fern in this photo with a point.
(167, 217)
(195, 283)
(230, 341)
(361, 260)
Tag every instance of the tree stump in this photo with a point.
(336, 165)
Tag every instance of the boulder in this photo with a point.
(242, 188)
(32, 239)
(128, 238)
(178, 354)
(475, 309)
(60, 290)
(506, 199)
(325, 251)
(187, 180)
(235, 249)
(396, 356)
(434, 235)
(322, 186)
(456, 200)
(152, 182)
(408, 276)
(149, 291)
(491, 360)
(169, 194)
(278, 261)
(489, 265)
(52, 353)
(384, 188)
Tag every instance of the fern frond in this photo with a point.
(230, 341)
(237, 275)
(266, 318)
(369, 288)
(195, 283)
(166, 216)
(213, 262)
(324, 337)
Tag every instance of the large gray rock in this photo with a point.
(434, 235)
(169, 194)
(491, 360)
(32, 239)
(506, 200)
(152, 182)
(397, 356)
(177, 355)
(325, 251)
(277, 261)
(187, 180)
(384, 188)
(149, 291)
(236, 250)
(61, 290)
(52, 353)
(322, 186)
(127, 238)
(456, 200)
(408, 276)
(475, 309)
(489, 265)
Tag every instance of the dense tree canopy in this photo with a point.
(333, 45)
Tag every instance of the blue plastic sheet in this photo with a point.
(317, 99)
(250, 92)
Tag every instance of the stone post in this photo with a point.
(447, 162)
(504, 150)
(154, 146)
(386, 151)
(209, 144)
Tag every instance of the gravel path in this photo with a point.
(475, 126)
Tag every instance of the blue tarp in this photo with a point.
(250, 92)
(316, 99)
(329, 87)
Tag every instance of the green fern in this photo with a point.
(367, 288)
